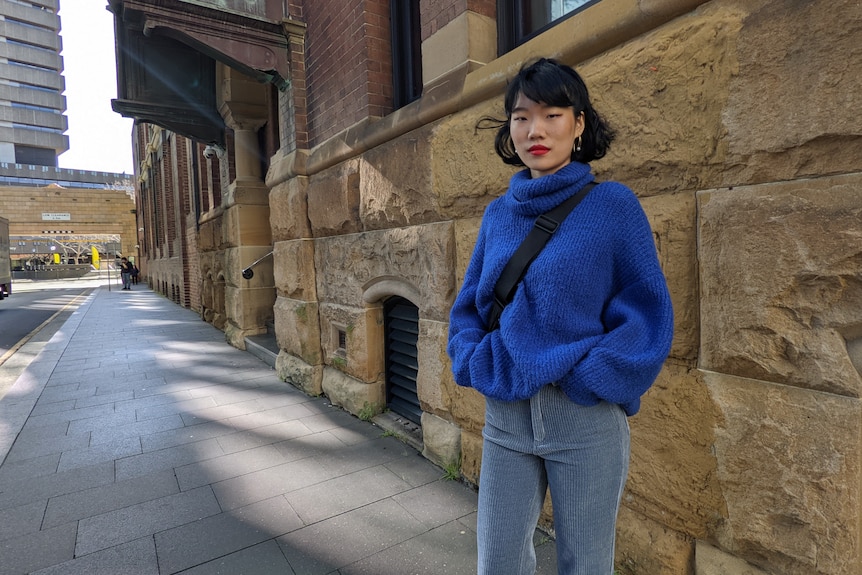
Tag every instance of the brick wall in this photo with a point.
(163, 201)
(348, 62)
(344, 73)
(169, 191)
(192, 267)
(183, 149)
(293, 102)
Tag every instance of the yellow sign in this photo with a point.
(95, 257)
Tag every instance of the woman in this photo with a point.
(126, 273)
(585, 335)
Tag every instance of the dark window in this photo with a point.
(406, 52)
(520, 20)
(35, 156)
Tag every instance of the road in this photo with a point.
(25, 311)
(31, 316)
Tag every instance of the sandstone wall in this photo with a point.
(91, 212)
(738, 127)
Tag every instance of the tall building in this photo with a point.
(32, 136)
(32, 105)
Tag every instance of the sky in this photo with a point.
(99, 138)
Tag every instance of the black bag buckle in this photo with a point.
(546, 224)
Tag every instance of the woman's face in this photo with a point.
(544, 135)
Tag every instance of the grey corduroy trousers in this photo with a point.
(582, 453)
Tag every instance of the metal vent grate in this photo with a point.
(402, 365)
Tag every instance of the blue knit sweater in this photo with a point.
(592, 314)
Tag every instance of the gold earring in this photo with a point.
(578, 144)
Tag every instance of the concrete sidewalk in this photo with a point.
(139, 442)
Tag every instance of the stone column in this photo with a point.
(246, 232)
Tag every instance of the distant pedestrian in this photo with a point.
(126, 273)
(135, 272)
(582, 338)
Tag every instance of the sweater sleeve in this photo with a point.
(466, 328)
(637, 318)
(626, 360)
(479, 358)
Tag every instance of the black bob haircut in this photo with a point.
(548, 81)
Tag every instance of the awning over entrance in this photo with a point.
(167, 53)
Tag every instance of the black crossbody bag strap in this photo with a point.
(543, 228)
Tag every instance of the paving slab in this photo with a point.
(213, 537)
(135, 521)
(133, 558)
(98, 500)
(38, 549)
(262, 559)
(18, 521)
(20, 490)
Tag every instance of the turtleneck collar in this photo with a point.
(532, 197)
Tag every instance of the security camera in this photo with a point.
(213, 150)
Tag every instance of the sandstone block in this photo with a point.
(468, 39)
(217, 318)
(297, 329)
(333, 200)
(467, 172)
(647, 546)
(441, 441)
(212, 264)
(466, 232)
(419, 257)
(776, 132)
(395, 183)
(362, 356)
(434, 365)
(351, 394)
(788, 310)
(247, 191)
(437, 388)
(710, 560)
(288, 210)
(246, 224)
(209, 236)
(466, 405)
(789, 467)
(673, 471)
(249, 308)
(237, 259)
(293, 262)
(235, 335)
(665, 92)
(298, 373)
(673, 219)
(471, 455)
